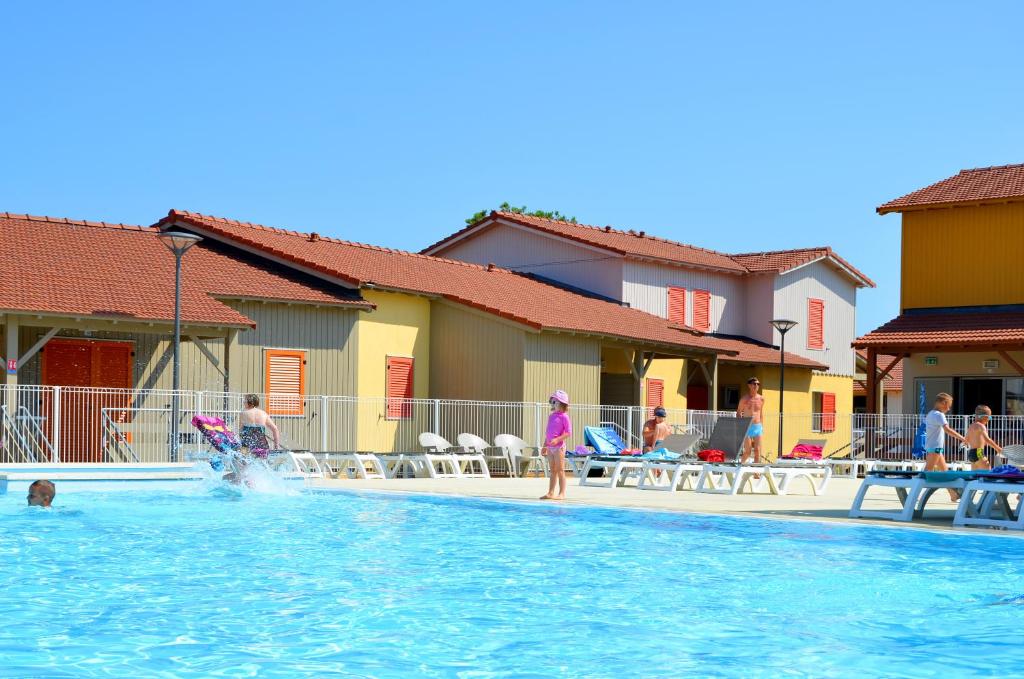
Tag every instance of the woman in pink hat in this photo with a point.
(559, 430)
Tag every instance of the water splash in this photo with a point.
(241, 475)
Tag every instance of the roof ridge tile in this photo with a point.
(46, 219)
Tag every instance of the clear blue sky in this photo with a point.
(734, 126)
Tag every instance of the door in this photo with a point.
(980, 391)
(85, 415)
(697, 397)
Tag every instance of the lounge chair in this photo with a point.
(993, 507)
(353, 465)
(673, 475)
(913, 489)
(436, 462)
(522, 458)
(734, 476)
(476, 446)
(616, 468)
(466, 463)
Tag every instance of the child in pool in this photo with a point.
(41, 493)
(558, 431)
(977, 438)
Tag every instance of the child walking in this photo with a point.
(977, 438)
(558, 431)
(936, 428)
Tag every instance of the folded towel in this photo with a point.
(804, 451)
(712, 455)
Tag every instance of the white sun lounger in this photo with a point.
(994, 508)
(448, 461)
(353, 465)
(913, 489)
(479, 453)
(673, 475)
(522, 458)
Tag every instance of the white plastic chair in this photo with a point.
(522, 458)
(474, 445)
(444, 455)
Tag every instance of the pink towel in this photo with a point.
(803, 451)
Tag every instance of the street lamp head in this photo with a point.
(783, 325)
(178, 241)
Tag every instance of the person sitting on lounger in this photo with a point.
(253, 424)
(936, 428)
(41, 493)
(752, 406)
(655, 430)
(977, 438)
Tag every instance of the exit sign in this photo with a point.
(931, 360)
(12, 366)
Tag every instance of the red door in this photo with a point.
(697, 397)
(87, 363)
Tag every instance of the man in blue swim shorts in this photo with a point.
(752, 406)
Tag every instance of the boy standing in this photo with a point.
(977, 438)
(936, 428)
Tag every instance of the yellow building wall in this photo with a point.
(399, 326)
(673, 372)
(963, 256)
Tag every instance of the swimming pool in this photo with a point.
(201, 584)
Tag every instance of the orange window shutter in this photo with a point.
(655, 393)
(398, 388)
(828, 412)
(815, 324)
(286, 382)
(702, 310)
(677, 305)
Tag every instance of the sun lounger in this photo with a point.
(522, 458)
(673, 475)
(483, 455)
(354, 465)
(987, 502)
(446, 456)
(616, 468)
(913, 489)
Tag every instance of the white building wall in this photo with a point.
(562, 260)
(760, 292)
(819, 281)
(645, 286)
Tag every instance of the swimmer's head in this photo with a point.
(41, 493)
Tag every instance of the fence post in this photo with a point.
(199, 403)
(538, 437)
(437, 417)
(55, 414)
(323, 423)
(629, 425)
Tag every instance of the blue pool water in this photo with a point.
(205, 584)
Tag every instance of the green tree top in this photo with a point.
(505, 207)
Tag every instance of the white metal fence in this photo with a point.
(76, 424)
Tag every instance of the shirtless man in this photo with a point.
(752, 406)
(655, 430)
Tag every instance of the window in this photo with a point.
(677, 305)
(655, 394)
(815, 324)
(702, 310)
(398, 388)
(286, 381)
(824, 417)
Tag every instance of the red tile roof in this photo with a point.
(628, 243)
(780, 261)
(983, 183)
(947, 329)
(490, 289)
(891, 382)
(60, 266)
(751, 351)
(639, 244)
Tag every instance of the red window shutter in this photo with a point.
(702, 310)
(655, 394)
(815, 324)
(398, 385)
(286, 382)
(828, 412)
(677, 305)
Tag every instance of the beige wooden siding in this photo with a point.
(325, 333)
(473, 356)
(151, 367)
(554, 361)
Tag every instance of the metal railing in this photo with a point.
(78, 424)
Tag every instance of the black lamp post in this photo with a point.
(783, 326)
(177, 242)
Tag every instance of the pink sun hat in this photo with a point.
(560, 396)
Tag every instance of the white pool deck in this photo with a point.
(800, 504)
